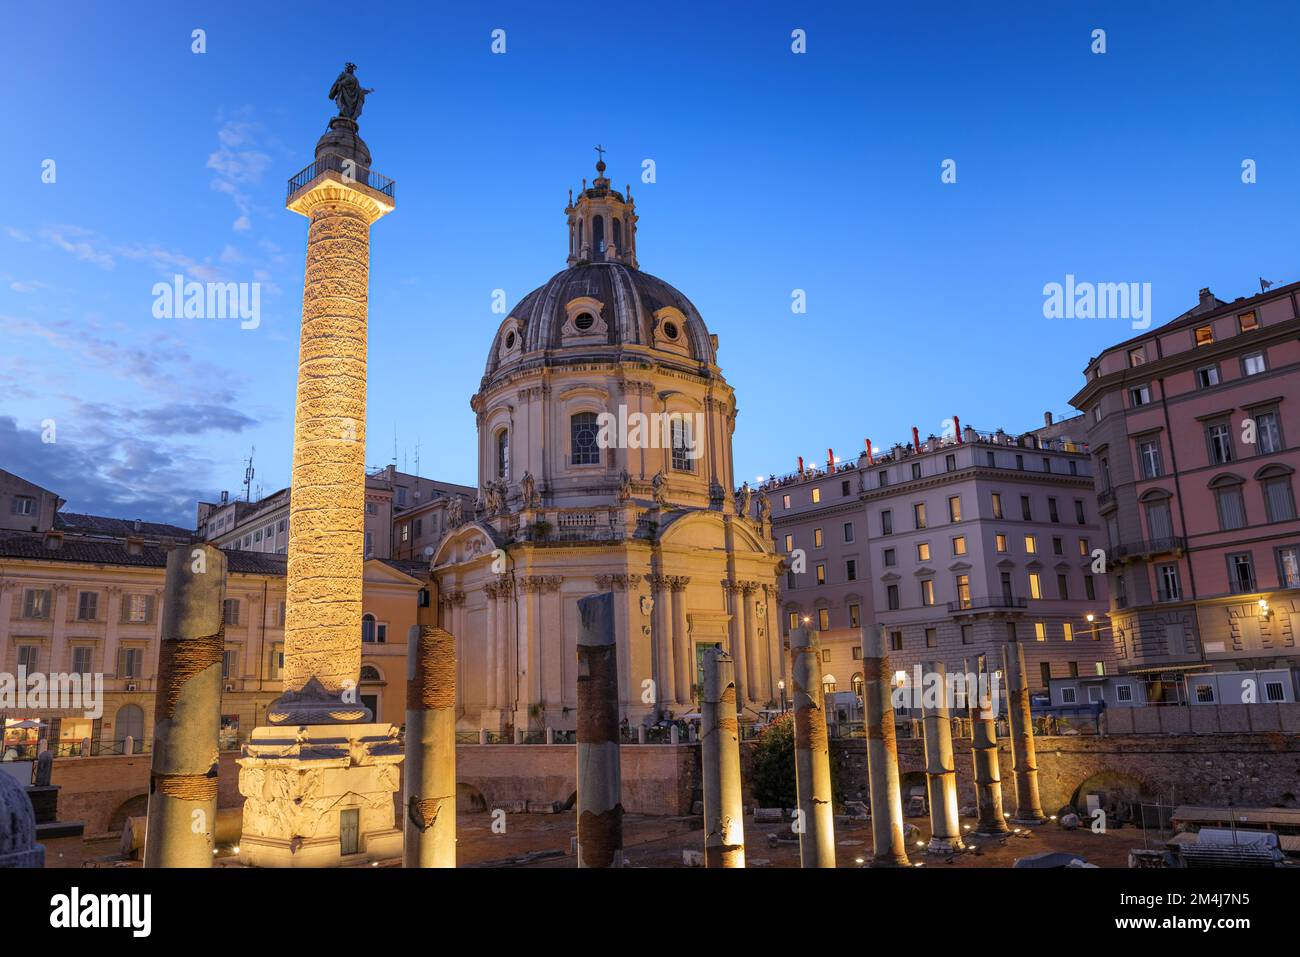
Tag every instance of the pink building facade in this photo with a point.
(953, 545)
(1193, 433)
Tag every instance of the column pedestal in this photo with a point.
(299, 785)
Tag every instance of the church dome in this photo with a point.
(603, 305)
(594, 305)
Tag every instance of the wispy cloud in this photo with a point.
(238, 164)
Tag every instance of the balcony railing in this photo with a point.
(1147, 549)
(992, 601)
(349, 169)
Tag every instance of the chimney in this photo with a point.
(1207, 297)
(1047, 418)
(225, 498)
(54, 539)
(134, 545)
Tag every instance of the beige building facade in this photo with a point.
(604, 426)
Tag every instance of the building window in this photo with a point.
(1058, 545)
(844, 488)
(1149, 458)
(28, 658)
(1273, 691)
(1063, 587)
(895, 641)
(1160, 522)
(130, 662)
(1083, 547)
(918, 515)
(954, 508)
(36, 603)
(404, 531)
(927, 591)
(1219, 439)
(1031, 545)
(857, 682)
(230, 609)
(1288, 567)
(922, 551)
(851, 570)
(1020, 462)
(963, 591)
(991, 460)
(882, 478)
(137, 609)
(24, 505)
(931, 638)
(370, 544)
(1241, 572)
(1080, 516)
(368, 628)
(1123, 692)
(789, 543)
(1000, 541)
(889, 557)
(1068, 696)
(916, 470)
(1253, 364)
(1207, 377)
(582, 435)
(848, 531)
(87, 605)
(816, 495)
(81, 659)
(950, 463)
(959, 545)
(997, 505)
(887, 522)
(1035, 586)
(967, 634)
(821, 573)
(1231, 507)
(1121, 590)
(793, 622)
(683, 445)
(227, 665)
(503, 453)
(1279, 501)
(1008, 595)
(1167, 588)
(1040, 632)
(1026, 512)
(891, 597)
(817, 538)
(789, 580)
(1268, 437)
(1067, 631)
(1205, 694)
(1089, 589)
(1139, 395)
(785, 501)
(1204, 335)
(1136, 357)
(855, 621)
(824, 622)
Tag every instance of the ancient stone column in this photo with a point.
(890, 848)
(984, 751)
(187, 711)
(812, 766)
(940, 770)
(322, 629)
(724, 813)
(600, 805)
(430, 775)
(319, 779)
(18, 847)
(1029, 809)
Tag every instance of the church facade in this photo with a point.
(604, 460)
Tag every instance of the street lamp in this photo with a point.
(781, 685)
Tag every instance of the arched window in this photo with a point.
(503, 454)
(828, 684)
(367, 627)
(129, 723)
(598, 237)
(579, 236)
(618, 234)
(370, 673)
(582, 432)
(857, 684)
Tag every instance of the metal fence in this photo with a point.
(349, 169)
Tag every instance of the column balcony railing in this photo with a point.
(349, 170)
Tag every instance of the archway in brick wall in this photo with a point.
(137, 806)
(1120, 794)
(469, 799)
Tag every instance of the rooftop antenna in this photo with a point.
(248, 475)
(394, 445)
(417, 456)
(1264, 284)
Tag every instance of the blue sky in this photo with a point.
(775, 172)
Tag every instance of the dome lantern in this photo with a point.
(602, 223)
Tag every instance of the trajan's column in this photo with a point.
(318, 780)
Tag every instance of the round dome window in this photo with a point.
(670, 330)
(510, 340)
(584, 322)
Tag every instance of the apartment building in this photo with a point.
(1190, 426)
(954, 544)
